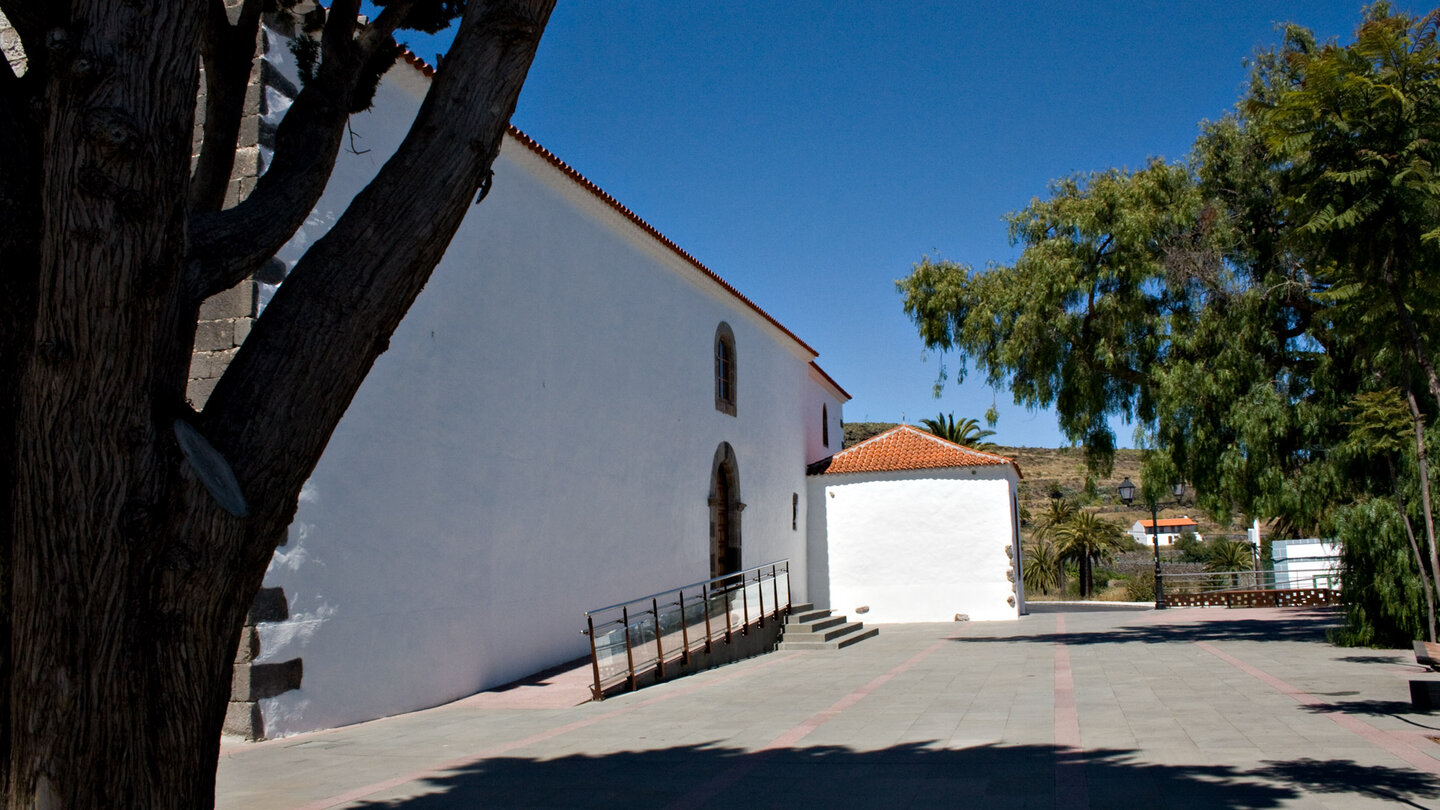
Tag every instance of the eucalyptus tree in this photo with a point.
(135, 529)
(1358, 131)
(1235, 307)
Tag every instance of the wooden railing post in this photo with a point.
(629, 656)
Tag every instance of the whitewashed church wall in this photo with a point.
(915, 546)
(821, 400)
(537, 441)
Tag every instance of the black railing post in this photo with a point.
(684, 629)
(659, 648)
(598, 693)
(727, 614)
(705, 600)
(760, 591)
(629, 656)
(775, 589)
(745, 605)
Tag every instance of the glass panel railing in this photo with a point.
(630, 639)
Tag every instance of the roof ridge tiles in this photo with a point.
(905, 447)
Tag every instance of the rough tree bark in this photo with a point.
(127, 580)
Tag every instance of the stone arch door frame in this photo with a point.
(725, 510)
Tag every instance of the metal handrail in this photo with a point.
(650, 636)
(1217, 581)
(784, 563)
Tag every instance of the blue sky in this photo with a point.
(811, 152)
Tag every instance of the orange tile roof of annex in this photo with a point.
(905, 448)
(1185, 521)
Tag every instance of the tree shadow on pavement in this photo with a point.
(1374, 708)
(908, 775)
(1267, 629)
(1339, 776)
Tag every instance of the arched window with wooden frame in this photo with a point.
(725, 398)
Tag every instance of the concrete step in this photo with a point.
(805, 616)
(803, 606)
(803, 628)
(831, 639)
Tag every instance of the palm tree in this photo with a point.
(1087, 538)
(1042, 569)
(1059, 512)
(966, 432)
(1230, 556)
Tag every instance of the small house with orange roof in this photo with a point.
(1170, 530)
(909, 527)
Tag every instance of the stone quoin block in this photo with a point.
(269, 606)
(249, 646)
(209, 365)
(242, 719)
(260, 681)
(236, 302)
(197, 392)
(212, 336)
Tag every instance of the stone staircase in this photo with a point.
(809, 629)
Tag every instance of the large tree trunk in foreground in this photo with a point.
(143, 529)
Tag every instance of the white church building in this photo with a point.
(575, 412)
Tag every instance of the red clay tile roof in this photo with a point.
(905, 448)
(1169, 522)
(530, 143)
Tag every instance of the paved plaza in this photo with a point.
(1066, 708)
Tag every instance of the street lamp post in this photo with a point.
(1127, 494)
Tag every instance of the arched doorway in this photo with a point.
(725, 509)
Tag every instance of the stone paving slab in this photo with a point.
(1192, 707)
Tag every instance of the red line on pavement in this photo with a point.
(718, 784)
(494, 751)
(1393, 743)
(1071, 789)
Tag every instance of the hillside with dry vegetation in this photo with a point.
(1060, 472)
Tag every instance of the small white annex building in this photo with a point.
(1143, 531)
(1306, 563)
(909, 527)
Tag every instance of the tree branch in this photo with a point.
(348, 293)
(227, 246)
(228, 51)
